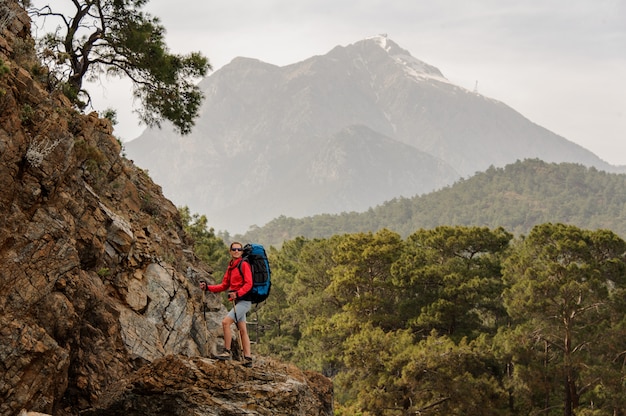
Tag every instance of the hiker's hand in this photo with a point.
(203, 285)
(232, 296)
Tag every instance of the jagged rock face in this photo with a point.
(98, 283)
(219, 388)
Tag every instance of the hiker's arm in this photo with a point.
(222, 286)
(217, 288)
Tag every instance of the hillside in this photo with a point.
(100, 311)
(340, 132)
(516, 197)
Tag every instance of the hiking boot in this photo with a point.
(226, 355)
(247, 362)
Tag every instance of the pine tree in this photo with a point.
(115, 37)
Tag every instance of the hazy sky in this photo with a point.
(560, 63)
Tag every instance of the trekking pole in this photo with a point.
(206, 327)
(258, 323)
(237, 328)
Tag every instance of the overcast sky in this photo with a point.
(560, 63)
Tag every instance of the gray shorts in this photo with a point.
(242, 307)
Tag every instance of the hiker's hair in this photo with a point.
(235, 242)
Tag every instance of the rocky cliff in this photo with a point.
(99, 307)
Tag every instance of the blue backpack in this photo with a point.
(256, 257)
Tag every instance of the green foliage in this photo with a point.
(27, 114)
(452, 378)
(207, 246)
(111, 114)
(299, 277)
(148, 205)
(104, 272)
(456, 272)
(93, 161)
(361, 280)
(117, 38)
(4, 69)
(560, 284)
(456, 320)
(516, 197)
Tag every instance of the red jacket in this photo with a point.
(233, 281)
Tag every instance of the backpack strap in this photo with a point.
(241, 271)
(244, 297)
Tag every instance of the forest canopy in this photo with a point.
(455, 320)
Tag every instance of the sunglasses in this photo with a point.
(236, 249)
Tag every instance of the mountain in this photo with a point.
(344, 131)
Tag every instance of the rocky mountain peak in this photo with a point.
(413, 66)
(100, 311)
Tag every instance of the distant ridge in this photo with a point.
(344, 131)
(516, 197)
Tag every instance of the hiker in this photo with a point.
(238, 281)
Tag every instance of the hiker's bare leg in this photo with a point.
(228, 336)
(245, 339)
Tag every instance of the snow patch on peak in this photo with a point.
(419, 69)
(381, 40)
(412, 66)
